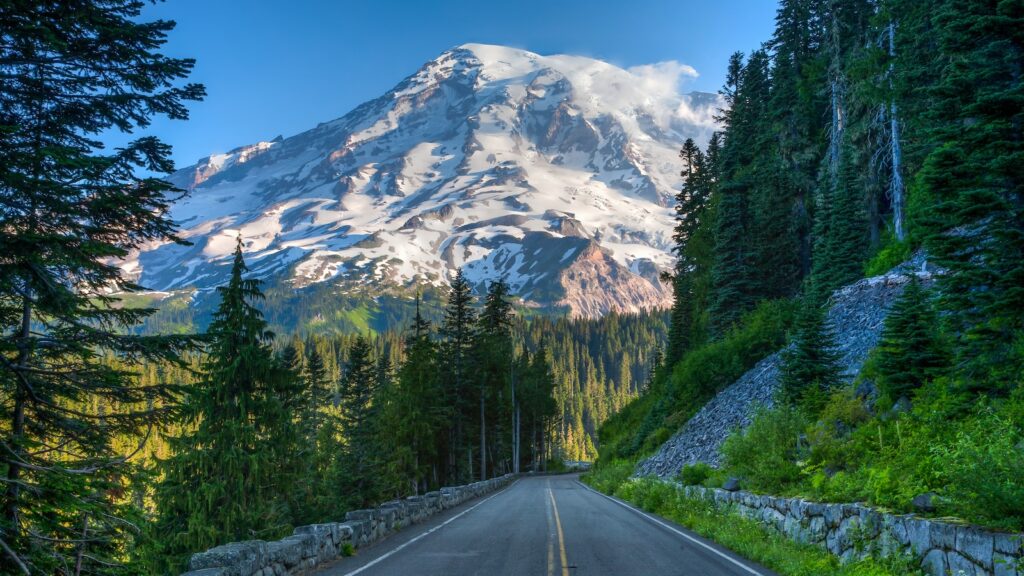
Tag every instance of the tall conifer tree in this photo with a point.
(231, 471)
(70, 72)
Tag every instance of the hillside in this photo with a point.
(857, 313)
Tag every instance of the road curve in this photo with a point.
(545, 525)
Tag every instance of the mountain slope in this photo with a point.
(554, 171)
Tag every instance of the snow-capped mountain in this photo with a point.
(555, 171)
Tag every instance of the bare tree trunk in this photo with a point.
(81, 546)
(16, 441)
(483, 435)
(896, 181)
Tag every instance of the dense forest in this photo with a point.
(133, 437)
(862, 132)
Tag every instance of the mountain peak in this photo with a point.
(557, 172)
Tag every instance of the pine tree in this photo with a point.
(457, 333)
(420, 415)
(538, 403)
(319, 429)
(974, 179)
(691, 202)
(72, 70)
(734, 281)
(841, 231)
(810, 366)
(231, 470)
(358, 390)
(493, 361)
(910, 352)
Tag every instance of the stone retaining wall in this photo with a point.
(852, 531)
(315, 545)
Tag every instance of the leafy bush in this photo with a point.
(984, 470)
(765, 454)
(891, 254)
(608, 476)
(695, 474)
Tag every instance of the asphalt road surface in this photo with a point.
(545, 525)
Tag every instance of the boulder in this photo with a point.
(732, 484)
(924, 502)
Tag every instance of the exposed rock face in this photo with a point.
(857, 315)
(484, 150)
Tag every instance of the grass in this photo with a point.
(348, 550)
(741, 535)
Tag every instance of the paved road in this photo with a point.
(548, 525)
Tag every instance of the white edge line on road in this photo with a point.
(673, 529)
(429, 532)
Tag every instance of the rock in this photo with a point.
(1012, 544)
(924, 502)
(207, 572)
(976, 545)
(918, 535)
(935, 562)
(942, 535)
(960, 565)
(1006, 565)
(902, 406)
(238, 558)
(731, 485)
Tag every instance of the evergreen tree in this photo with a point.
(419, 414)
(457, 334)
(733, 275)
(841, 231)
(72, 70)
(810, 366)
(974, 178)
(538, 403)
(319, 428)
(910, 352)
(358, 389)
(691, 205)
(231, 470)
(493, 355)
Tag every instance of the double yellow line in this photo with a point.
(561, 541)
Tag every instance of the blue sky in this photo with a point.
(281, 67)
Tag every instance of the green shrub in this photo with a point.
(608, 476)
(694, 474)
(983, 469)
(765, 454)
(891, 254)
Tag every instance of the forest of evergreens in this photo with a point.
(862, 132)
(134, 437)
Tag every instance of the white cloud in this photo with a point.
(662, 78)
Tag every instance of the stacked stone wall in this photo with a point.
(310, 547)
(853, 531)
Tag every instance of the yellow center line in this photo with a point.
(551, 539)
(561, 537)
